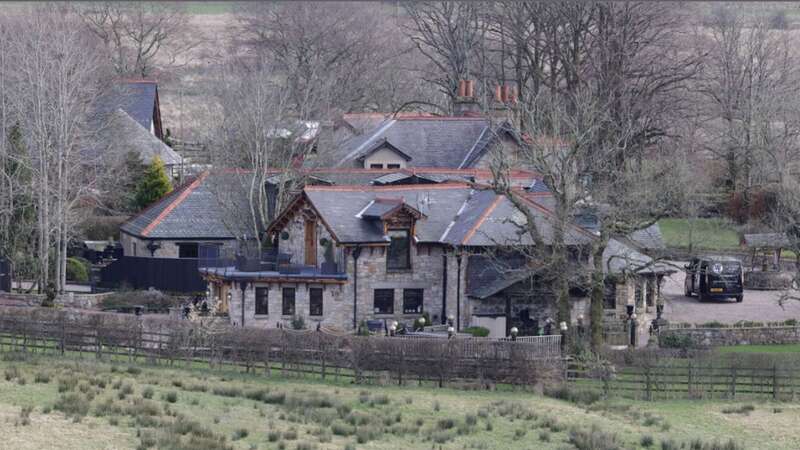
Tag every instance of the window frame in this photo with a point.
(311, 301)
(421, 308)
(285, 298)
(394, 166)
(265, 299)
(376, 166)
(378, 310)
(389, 266)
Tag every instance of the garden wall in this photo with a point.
(715, 337)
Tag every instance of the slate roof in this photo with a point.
(122, 134)
(454, 214)
(429, 141)
(193, 211)
(620, 257)
(136, 98)
(487, 275)
(649, 238)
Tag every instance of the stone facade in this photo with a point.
(715, 337)
(135, 246)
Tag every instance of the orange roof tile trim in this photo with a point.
(177, 201)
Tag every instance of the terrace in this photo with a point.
(249, 264)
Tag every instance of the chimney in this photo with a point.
(465, 103)
(504, 104)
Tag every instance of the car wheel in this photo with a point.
(739, 298)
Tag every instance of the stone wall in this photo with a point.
(134, 246)
(295, 244)
(334, 309)
(715, 337)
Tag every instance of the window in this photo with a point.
(610, 295)
(376, 166)
(393, 166)
(315, 301)
(412, 301)
(262, 301)
(399, 255)
(288, 301)
(187, 250)
(384, 301)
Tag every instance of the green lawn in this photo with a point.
(789, 348)
(704, 234)
(97, 405)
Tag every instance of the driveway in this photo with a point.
(761, 306)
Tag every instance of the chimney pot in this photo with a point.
(462, 88)
(470, 88)
(506, 93)
(513, 98)
(498, 94)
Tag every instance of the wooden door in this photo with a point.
(311, 243)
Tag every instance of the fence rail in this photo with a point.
(693, 378)
(302, 352)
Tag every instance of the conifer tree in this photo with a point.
(153, 185)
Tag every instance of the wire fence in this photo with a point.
(314, 353)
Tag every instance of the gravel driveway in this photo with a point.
(759, 306)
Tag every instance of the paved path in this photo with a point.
(759, 306)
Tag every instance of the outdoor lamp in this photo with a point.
(450, 319)
(563, 326)
(450, 331)
(633, 316)
(629, 309)
(229, 297)
(421, 321)
(514, 332)
(392, 329)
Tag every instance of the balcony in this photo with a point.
(268, 264)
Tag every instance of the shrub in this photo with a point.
(133, 370)
(227, 391)
(712, 324)
(147, 392)
(10, 373)
(170, 397)
(273, 436)
(78, 270)
(476, 331)
(298, 323)
(41, 377)
(72, 404)
(290, 434)
(544, 436)
(744, 409)
(579, 396)
(675, 340)
(241, 433)
(593, 439)
(25, 415)
(470, 419)
(150, 299)
(671, 445)
(646, 441)
(340, 428)
(445, 424)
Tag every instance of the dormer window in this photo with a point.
(383, 154)
(398, 256)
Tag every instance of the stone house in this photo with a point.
(397, 252)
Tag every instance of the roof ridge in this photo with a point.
(171, 193)
(373, 188)
(174, 204)
(482, 219)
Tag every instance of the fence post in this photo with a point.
(63, 344)
(689, 381)
(733, 381)
(774, 381)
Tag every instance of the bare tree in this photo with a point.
(141, 37)
(344, 56)
(449, 34)
(56, 78)
(750, 88)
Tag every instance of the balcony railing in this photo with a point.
(265, 261)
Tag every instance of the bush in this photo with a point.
(78, 270)
(578, 396)
(646, 441)
(298, 323)
(675, 340)
(476, 331)
(593, 439)
(170, 397)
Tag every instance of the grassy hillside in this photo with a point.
(703, 234)
(91, 405)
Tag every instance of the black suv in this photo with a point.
(714, 278)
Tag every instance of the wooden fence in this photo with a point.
(318, 353)
(693, 377)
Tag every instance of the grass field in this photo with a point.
(789, 348)
(706, 234)
(91, 405)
